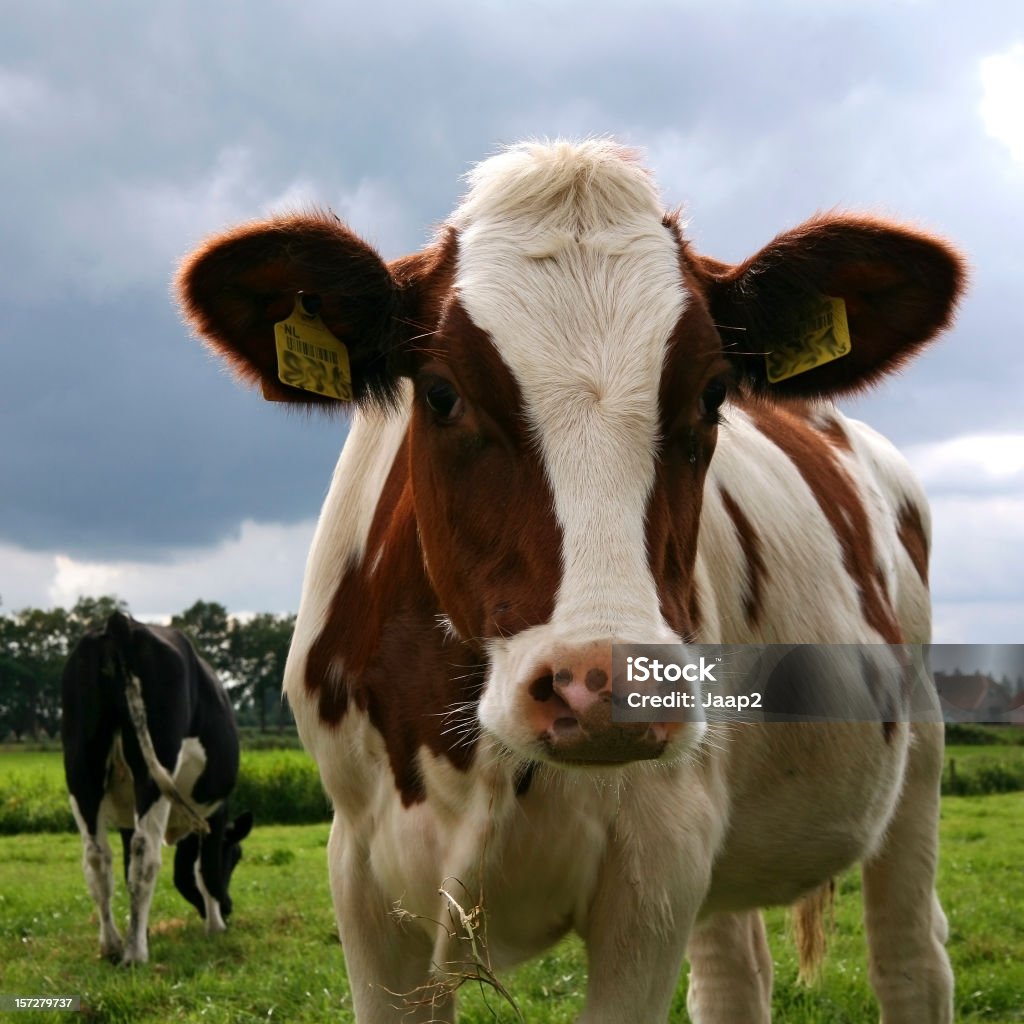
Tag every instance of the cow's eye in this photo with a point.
(712, 398)
(443, 401)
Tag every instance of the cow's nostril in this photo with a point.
(542, 688)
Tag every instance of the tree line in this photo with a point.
(248, 654)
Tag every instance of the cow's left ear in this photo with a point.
(899, 288)
(239, 284)
(239, 828)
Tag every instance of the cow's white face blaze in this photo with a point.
(579, 297)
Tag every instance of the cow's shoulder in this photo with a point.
(800, 536)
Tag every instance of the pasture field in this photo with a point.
(280, 960)
(281, 786)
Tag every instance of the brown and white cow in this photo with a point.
(564, 437)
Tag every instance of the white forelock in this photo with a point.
(564, 260)
(578, 188)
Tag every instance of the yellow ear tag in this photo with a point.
(818, 336)
(310, 357)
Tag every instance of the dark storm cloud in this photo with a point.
(128, 131)
(122, 438)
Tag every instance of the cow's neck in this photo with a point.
(378, 639)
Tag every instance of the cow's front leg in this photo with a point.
(730, 971)
(907, 930)
(653, 882)
(388, 959)
(143, 869)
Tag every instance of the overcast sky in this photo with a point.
(131, 464)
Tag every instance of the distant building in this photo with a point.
(975, 697)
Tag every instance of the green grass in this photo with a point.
(281, 952)
(280, 960)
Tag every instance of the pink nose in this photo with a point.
(569, 707)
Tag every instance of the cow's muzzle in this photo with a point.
(569, 709)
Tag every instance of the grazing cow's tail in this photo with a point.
(809, 929)
(159, 774)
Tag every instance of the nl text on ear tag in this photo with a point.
(310, 357)
(819, 335)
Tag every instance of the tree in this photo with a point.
(250, 655)
(93, 612)
(34, 645)
(207, 625)
(259, 649)
(15, 681)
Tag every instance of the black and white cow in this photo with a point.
(151, 747)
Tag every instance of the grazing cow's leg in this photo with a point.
(98, 864)
(145, 863)
(730, 971)
(388, 961)
(907, 930)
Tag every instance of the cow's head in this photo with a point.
(211, 859)
(568, 354)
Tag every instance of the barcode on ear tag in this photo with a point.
(310, 357)
(818, 336)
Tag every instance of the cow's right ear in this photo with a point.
(236, 286)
